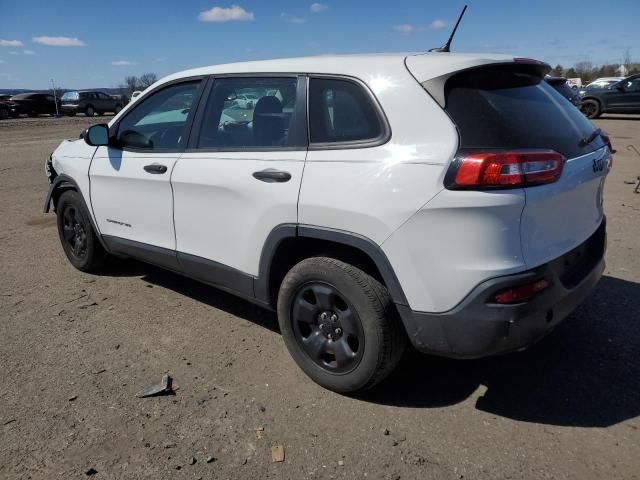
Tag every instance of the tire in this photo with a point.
(79, 241)
(339, 324)
(71, 114)
(90, 111)
(4, 114)
(117, 109)
(591, 108)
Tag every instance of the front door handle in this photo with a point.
(155, 168)
(271, 175)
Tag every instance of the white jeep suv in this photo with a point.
(449, 201)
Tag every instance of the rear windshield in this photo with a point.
(70, 96)
(513, 107)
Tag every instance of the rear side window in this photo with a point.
(341, 111)
(250, 113)
(508, 107)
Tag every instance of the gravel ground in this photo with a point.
(76, 348)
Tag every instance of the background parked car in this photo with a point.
(561, 85)
(34, 104)
(7, 107)
(621, 97)
(89, 103)
(603, 82)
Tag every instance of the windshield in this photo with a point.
(70, 96)
(513, 107)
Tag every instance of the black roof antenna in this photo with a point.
(446, 47)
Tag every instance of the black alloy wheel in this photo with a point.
(327, 328)
(74, 233)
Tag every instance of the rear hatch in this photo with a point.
(510, 108)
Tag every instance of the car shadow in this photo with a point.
(586, 373)
(198, 291)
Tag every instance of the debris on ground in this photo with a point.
(169, 445)
(162, 388)
(341, 463)
(211, 459)
(90, 472)
(277, 453)
(192, 461)
(259, 432)
(385, 431)
(73, 397)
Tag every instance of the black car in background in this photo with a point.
(562, 87)
(621, 97)
(34, 104)
(7, 107)
(90, 103)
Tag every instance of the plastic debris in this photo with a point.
(162, 388)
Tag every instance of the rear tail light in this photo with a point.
(521, 293)
(504, 169)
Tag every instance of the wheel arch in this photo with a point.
(288, 244)
(63, 183)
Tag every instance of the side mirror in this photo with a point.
(97, 135)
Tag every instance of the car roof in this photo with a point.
(426, 65)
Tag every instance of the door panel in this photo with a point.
(131, 191)
(129, 202)
(223, 213)
(241, 176)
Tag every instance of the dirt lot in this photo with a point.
(75, 348)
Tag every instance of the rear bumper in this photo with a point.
(479, 328)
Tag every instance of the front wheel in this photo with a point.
(79, 241)
(339, 324)
(590, 108)
(90, 111)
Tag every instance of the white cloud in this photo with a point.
(10, 43)
(123, 63)
(407, 29)
(285, 17)
(59, 41)
(231, 14)
(1, 61)
(318, 8)
(438, 24)
(28, 52)
(13, 52)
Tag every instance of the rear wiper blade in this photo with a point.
(587, 140)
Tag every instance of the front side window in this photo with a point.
(159, 121)
(341, 111)
(250, 113)
(632, 85)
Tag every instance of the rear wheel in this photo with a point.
(117, 109)
(590, 108)
(79, 241)
(4, 113)
(339, 324)
(90, 111)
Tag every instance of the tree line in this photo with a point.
(588, 71)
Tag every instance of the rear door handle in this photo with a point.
(271, 175)
(155, 168)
